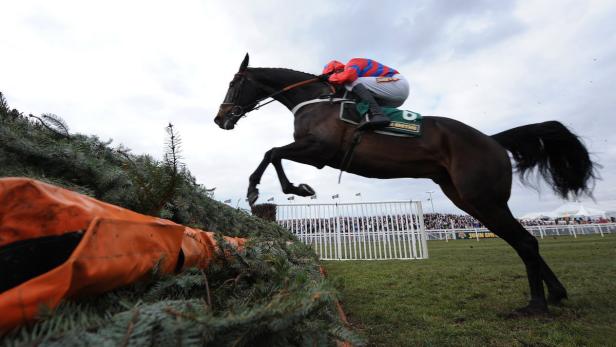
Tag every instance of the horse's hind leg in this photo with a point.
(499, 220)
(556, 290)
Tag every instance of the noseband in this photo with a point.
(237, 111)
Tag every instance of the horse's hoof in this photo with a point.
(556, 297)
(253, 195)
(305, 190)
(528, 311)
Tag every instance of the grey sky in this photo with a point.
(123, 70)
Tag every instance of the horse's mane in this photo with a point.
(304, 74)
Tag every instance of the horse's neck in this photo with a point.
(277, 79)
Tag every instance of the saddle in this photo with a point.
(404, 123)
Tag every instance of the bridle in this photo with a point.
(239, 111)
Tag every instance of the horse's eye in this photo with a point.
(231, 84)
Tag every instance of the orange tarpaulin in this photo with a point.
(118, 246)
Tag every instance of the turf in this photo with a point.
(464, 294)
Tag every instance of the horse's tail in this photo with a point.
(560, 157)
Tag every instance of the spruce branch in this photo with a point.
(53, 123)
(130, 328)
(173, 150)
(207, 290)
(4, 106)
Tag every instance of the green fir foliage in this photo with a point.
(269, 294)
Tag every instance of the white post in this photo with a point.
(597, 226)
(387, 230)
(476, 234)
(410, 228)
(422, 229)
(374, 234)
(322, 231)
(331, 234)
(338, 243)
(399, 231)
(364, 227)
(541, 232)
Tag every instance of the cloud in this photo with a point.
(124, 70)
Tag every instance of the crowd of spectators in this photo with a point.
(567, 221)
(432, 221)
(455, 221)
(449, 221)
(351, 224)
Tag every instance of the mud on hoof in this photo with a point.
(253, 195)
(556, 297)
(305, 190)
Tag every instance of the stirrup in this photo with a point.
(379, 121)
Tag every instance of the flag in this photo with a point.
(335, 196)
(291, 198)
(271, 199)
(357, 194)
(313, 197)
(228, 201)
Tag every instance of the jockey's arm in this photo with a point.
(348, 75)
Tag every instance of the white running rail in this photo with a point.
(539, 231)
(358, 231)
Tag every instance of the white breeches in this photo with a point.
(390, 92)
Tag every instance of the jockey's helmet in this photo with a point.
(333, 66)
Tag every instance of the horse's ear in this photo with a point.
(244, 63)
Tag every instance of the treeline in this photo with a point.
(271, 294)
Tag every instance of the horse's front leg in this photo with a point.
(306, 151)
(255, 178)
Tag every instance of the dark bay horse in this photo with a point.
(472, 169)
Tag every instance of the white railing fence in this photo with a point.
(358, 231)
(539, 231)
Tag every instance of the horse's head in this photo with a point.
(241, 98)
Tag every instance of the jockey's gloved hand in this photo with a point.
(324, 77)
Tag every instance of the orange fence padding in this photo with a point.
(118, 246)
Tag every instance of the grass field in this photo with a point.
(463, 294)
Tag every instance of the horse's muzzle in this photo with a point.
(228, 124)
(223, 119)
(225, 122)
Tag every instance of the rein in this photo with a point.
(239, 111)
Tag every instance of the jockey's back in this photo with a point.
(360, 67)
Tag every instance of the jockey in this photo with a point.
(370, 81)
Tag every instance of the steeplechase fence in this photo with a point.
(358, 231)
(539, 231)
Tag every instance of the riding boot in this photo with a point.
(374, 117)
